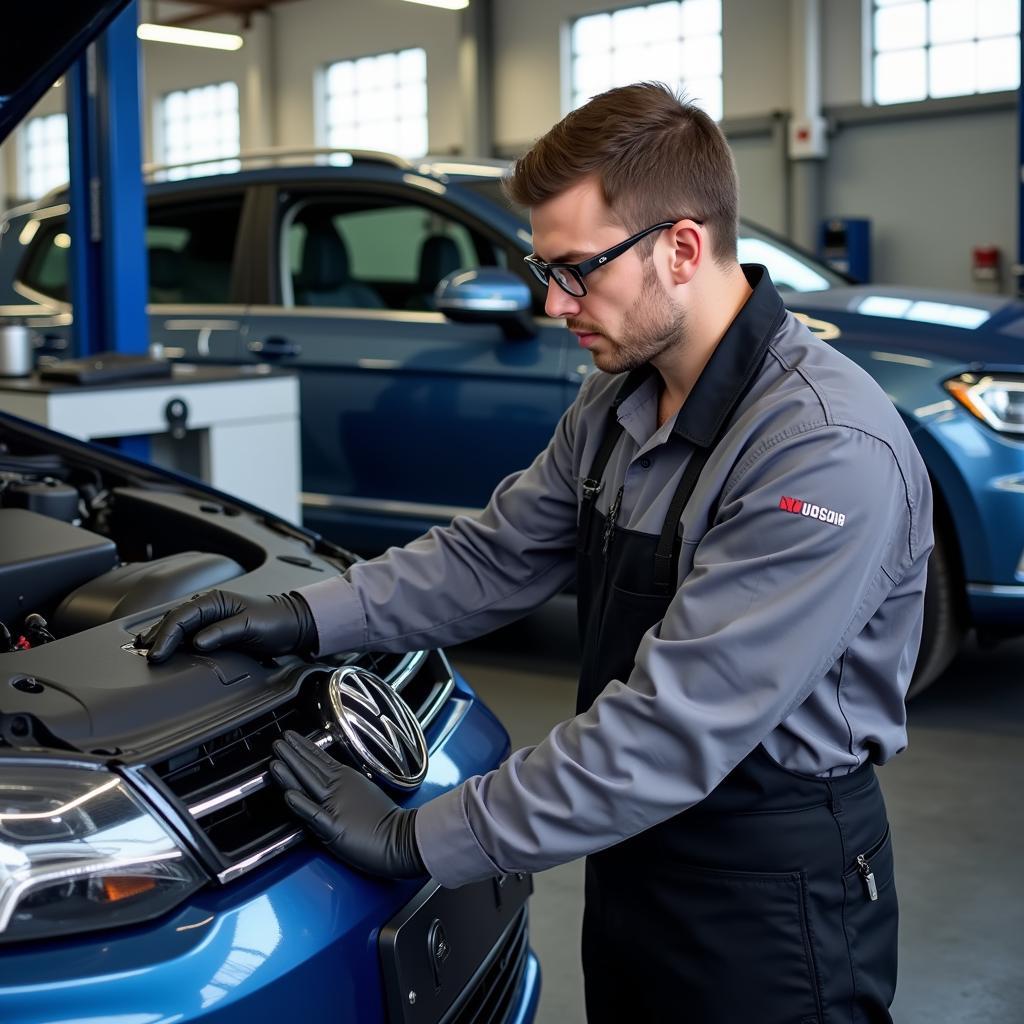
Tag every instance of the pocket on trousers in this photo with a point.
(872, 929)
(743, 946)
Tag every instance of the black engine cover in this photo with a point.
(141, 585)
(41, 559)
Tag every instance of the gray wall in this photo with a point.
(933, 189)
(933, 185)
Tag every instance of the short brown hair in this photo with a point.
(657, 157)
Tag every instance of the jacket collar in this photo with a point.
(732, 367)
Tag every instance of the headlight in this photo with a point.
(78, 851)
(997, 399)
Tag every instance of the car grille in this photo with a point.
(224, 787)
(489, 998)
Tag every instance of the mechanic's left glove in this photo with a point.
(357, 821)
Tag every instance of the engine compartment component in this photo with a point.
(48, 497)
(139, 586)
(42, 558)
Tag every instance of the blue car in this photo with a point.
(149, 869)
(428, 369)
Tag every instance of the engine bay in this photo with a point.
(93, 549)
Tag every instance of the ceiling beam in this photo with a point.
(216, 8)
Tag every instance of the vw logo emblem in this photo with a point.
(379, 729)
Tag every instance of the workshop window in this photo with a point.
(199, 127)
(679, 43)
(932, 49)
(376, 103)
(44, 154)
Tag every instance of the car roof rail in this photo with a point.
(280, 157)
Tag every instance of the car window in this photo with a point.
(373, 255)
(789, 269)
(45, 266)
(190, 250)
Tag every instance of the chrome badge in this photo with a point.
(379, 729)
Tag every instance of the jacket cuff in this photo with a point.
(338, 614)
(448, 846)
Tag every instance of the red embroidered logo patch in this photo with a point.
(800, 507)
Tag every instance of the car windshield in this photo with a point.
(790, 269)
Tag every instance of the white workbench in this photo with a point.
(241, 425)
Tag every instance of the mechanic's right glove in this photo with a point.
(264, 626)
(358, 822)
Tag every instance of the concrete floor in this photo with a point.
(955, 804)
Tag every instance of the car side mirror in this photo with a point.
(487, 295)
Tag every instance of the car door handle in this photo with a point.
(274, 348)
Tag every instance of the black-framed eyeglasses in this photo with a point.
(569, 276)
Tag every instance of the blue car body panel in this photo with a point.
(978, 473)
(296, 937)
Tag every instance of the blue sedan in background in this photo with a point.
(429, 371)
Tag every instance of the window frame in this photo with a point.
(567, 57)
(871, 53)
(199, 167)
(322, 97)
(24, 149)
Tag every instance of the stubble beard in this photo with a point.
(650, 327)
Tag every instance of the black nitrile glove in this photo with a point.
(356, 821)
(265, 626)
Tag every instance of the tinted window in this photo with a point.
(190, 250)
(347, 253)
(46, 264)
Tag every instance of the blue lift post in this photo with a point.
(1019, 269)
(109, 273)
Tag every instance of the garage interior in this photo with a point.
(896, 177)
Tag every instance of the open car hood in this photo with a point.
(43, 40)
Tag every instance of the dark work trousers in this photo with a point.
(751, 907)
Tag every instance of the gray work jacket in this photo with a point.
(795, 624)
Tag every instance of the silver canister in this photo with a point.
(16, 350)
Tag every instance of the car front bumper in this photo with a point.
(289, 947)
(296, 939)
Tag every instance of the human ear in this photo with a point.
(687, 243)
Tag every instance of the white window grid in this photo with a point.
(934, 49)
(677, 42)
(44, 154)
(200, 127)
(377, 102)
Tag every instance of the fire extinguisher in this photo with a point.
(986, 268)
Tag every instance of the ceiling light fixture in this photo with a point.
(448, 5)
(190, 37)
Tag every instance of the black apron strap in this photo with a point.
(665, 555)
(595, 478)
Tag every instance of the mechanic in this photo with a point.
(748, 522)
